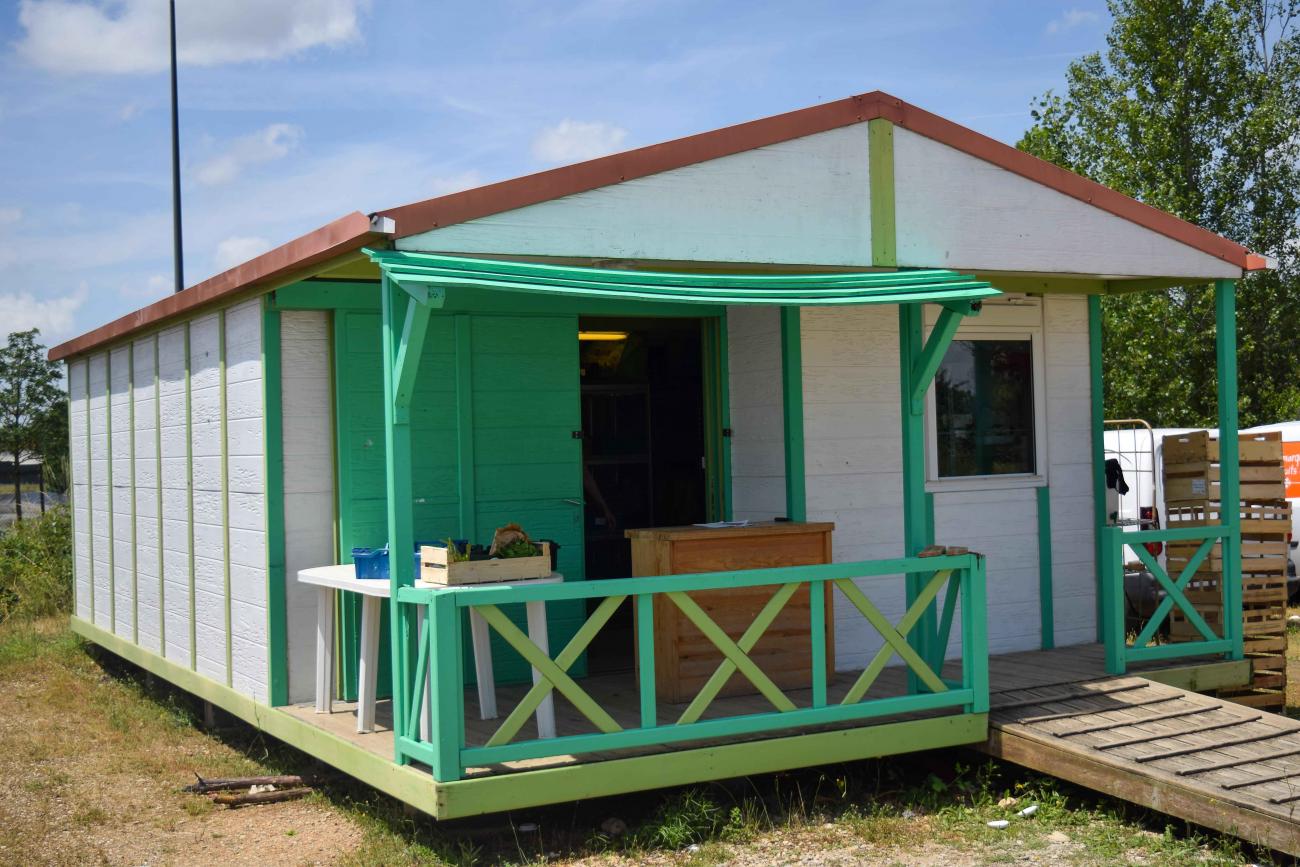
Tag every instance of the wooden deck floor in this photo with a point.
(1208, 761)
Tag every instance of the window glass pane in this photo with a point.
(984, 403)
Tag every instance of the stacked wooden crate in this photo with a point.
(1191, 480)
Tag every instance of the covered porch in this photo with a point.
(613, 732)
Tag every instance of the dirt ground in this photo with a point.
(93, 758)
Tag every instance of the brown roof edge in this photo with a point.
(555, 183)
(581, 177)
(341, 236)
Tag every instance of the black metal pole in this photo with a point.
(176, 166)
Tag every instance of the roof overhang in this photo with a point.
(427, 276)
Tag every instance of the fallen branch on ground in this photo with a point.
(203, 787)
(245, 798)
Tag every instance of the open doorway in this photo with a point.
(643, 427)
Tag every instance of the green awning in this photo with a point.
(436, 272)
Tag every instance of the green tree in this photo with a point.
(30, 397)
(1194, 108)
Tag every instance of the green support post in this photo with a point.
(1225, 343)
(1110, 562)
(974, 628)
(401, 537)
(1046, 614)
(446, 717)
(917, 522)
(796, 505)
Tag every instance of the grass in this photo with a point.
(93, 754)
(36, 566)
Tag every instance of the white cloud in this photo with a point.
(454, 183)
(55, 317)
(154, 287)
(236, 251)
(130, 36)
(128, 111)
(571, 141)
(263, 146)
(1071, 19)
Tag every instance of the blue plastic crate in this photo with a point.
(371, 562)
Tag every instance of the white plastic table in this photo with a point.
(328, 579)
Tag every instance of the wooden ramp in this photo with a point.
(1227, 767)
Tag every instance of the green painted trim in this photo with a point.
(1046, 614)
(471, 595)
(724, 409)
(558, 677)
(399, 496)
(918, 517)
(645, 659)
(225, 492)
(796, 498)
(744, 644)
(135, 554)
(1098, 426)
(189, 488)
(1182, 648)
(406, 784)
(884, 231)
(435, 272)
(1204, 677)
(273, 447)
(158, 482)
(817, 640)
(447, 702)
(1225, 346)
(72, 487)
(932, 355)
(90, 492)
(895, 641)
(974, 635)
(407, 364)
(467, 493)
(617, 776)
(112, 504)
(326, 295)
(571, 653)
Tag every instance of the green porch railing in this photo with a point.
(434, 661)
(1120, 653)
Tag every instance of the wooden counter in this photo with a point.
(684, 658)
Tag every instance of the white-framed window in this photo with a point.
(985, 420)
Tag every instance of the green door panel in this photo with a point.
(525, 406)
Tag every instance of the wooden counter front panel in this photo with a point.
(684, 658)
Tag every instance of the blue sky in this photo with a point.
(294, 112)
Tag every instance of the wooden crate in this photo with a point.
(434, 568)
(1192, 494)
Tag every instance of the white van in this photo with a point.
(1139, 449)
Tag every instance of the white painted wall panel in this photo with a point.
(119, 362)
(174, 441)
(100, 521)
(853, 463)
(804, 201)
(853, 466)
(79, 470)
(953, 210)
(209, 531)
(148, 551)
(246, 492)
(308, 481)
(758, 438)
(1065, 323)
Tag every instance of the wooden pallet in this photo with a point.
(1192, 498)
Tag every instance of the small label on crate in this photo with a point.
(1198, 487)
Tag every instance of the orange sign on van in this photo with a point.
(1291, 462)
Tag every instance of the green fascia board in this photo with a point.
(500, 792)
(889, 287)
(327, 295)
(1203, 677)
